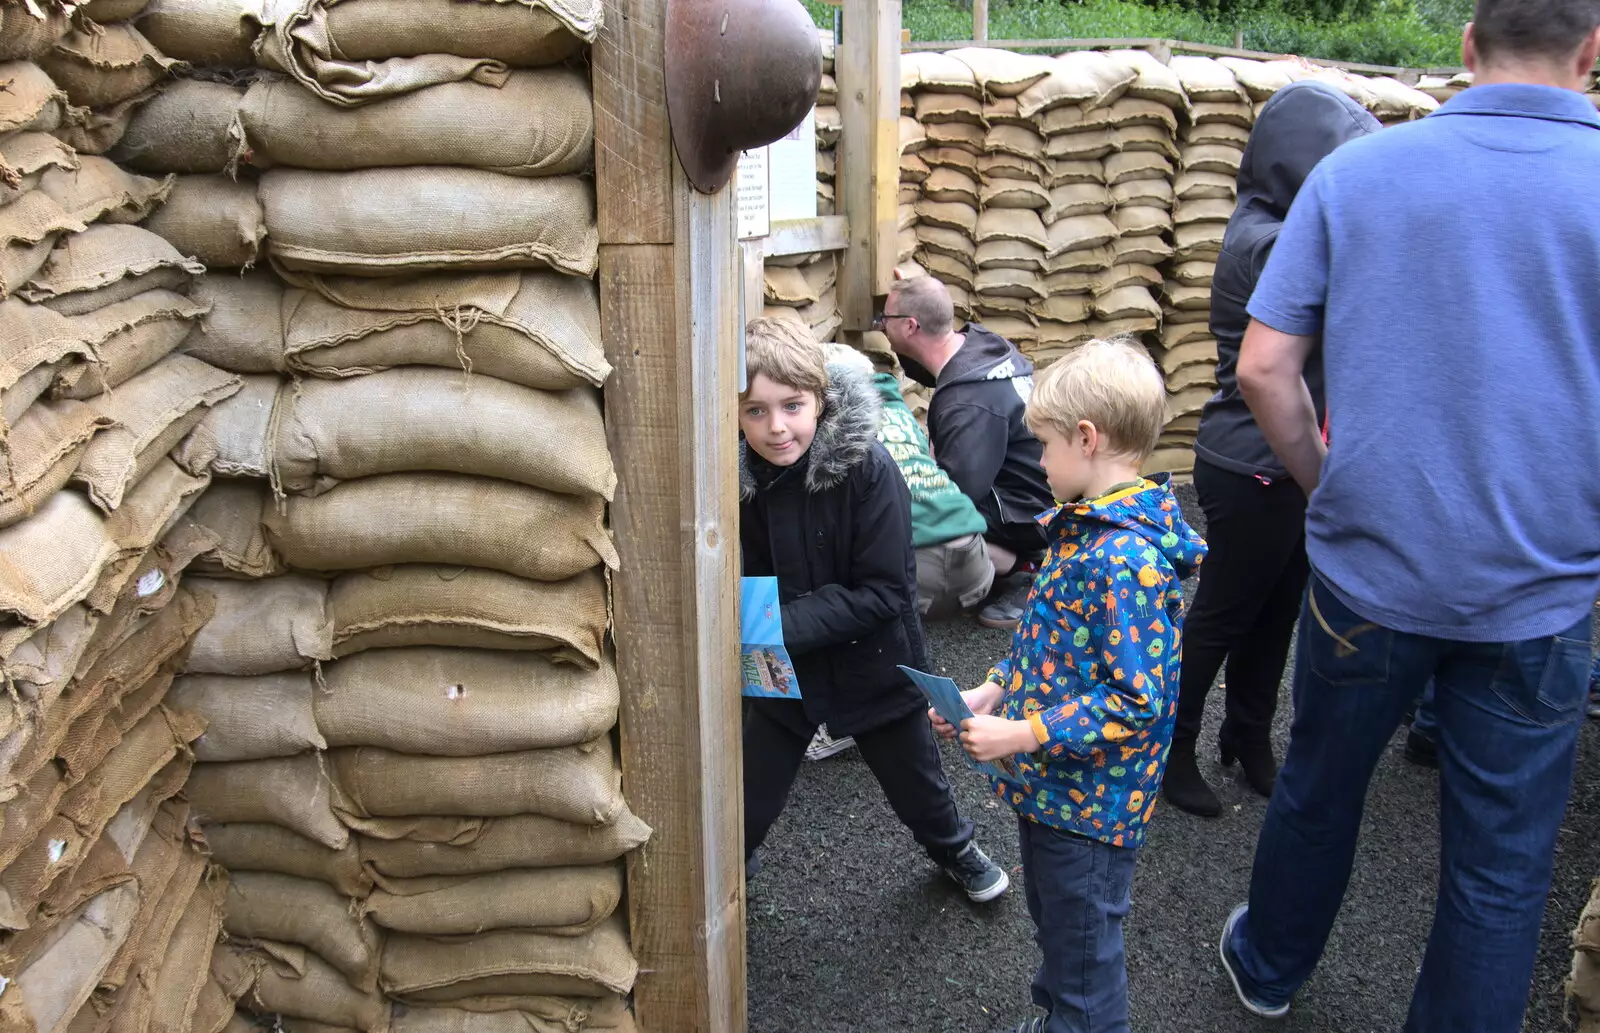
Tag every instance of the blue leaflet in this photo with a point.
(945, 697)
(763, 661)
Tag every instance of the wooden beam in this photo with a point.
(868, 177)
(980, 21)
(805, 236)
(669, 321)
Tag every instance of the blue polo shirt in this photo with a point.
(1452, 269)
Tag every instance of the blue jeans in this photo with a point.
(1079, 891)
(1426, 723)
(1509, 716)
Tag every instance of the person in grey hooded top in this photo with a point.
(1249, 595)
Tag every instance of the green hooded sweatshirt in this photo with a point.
(939, 512)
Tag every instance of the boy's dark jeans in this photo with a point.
(902, 755)
(1508, 716)
(1079, 891)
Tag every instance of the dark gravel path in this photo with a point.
(851, 930)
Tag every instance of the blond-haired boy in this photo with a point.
(823, 509)
(1088, 694)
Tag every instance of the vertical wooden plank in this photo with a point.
(980, 21)
(868, 72)
(630, 100)
(669, 283)
(707, 387)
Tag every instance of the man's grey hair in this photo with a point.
(928, 301)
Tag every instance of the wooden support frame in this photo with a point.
(669, 301)
(867, 67)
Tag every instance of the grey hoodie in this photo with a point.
(1299, 126)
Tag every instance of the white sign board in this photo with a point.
(754, 195)
(792, 175)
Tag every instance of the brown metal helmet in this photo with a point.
(740, 74)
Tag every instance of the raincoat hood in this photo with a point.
(1151, 512)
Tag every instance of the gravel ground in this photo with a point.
(852, 930)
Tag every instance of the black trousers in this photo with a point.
(1249, 596)
(902, 755)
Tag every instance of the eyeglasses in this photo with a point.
(883, 319)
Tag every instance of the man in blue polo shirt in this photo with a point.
(1449, 271)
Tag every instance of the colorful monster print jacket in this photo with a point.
(1094, 665)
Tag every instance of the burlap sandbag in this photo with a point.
(205, 32)
(421, 605)
(49, 988)
(272, 848)
(268, 906)
(231, 512)
(104, 66)
(1221, 159)
(1586, 937)
(106, 264)
(153, 412)
(25, 158)
(250, 718)
(538, 123)
(1151, 193)
(128, 337)
(1074, 199)
(19, 262)
(34, 218)
(187, 964)
(531, 1015)
(1014, 193)
(418, 219)
(98, 130)
(537, 329)
(934, 108)
(188, 127)
(1001, 73)
(35, 343)
(443, 518)
(1020, 224)
(1127, 303)
(26, 33)
(463, 702)
(1085, 77)
(214, 219)
(232, 440)
(29, 99)
(43, 450)
(941, 240)
(1142, 221)
(294, 792)
(54, 558)
(1130, 165)
(579, 784)
(100, 189)
(261, 627)
(414, 847)
(1010, 254)
(953, 272)
(354, 52)
(557, 901)
(427, 419)
(243, 331)
(295, 982)
(510, 961)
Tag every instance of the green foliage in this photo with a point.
(1406, 33)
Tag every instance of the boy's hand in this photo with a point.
(990, 738)
(982, 700)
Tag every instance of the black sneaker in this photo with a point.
(981, 878)
(1421, 750)
(1005, 612)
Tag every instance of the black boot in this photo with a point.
(1183, 785)
(1254, 754)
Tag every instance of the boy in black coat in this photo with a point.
(824, 509)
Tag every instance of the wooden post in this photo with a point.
(867, 67)
(669, 283)
(980, 21)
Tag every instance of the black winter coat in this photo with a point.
(835, 530)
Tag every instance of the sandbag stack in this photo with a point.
(829, 125)
(1115, 227)
(804, 288)
(408, 770)
(108, 920)
(1584, 984)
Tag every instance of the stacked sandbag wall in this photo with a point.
(1442, 87)
(1086, 195)
(409, 768)
(109, 909)
(803, 287)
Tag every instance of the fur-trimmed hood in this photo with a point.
(851, 415)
